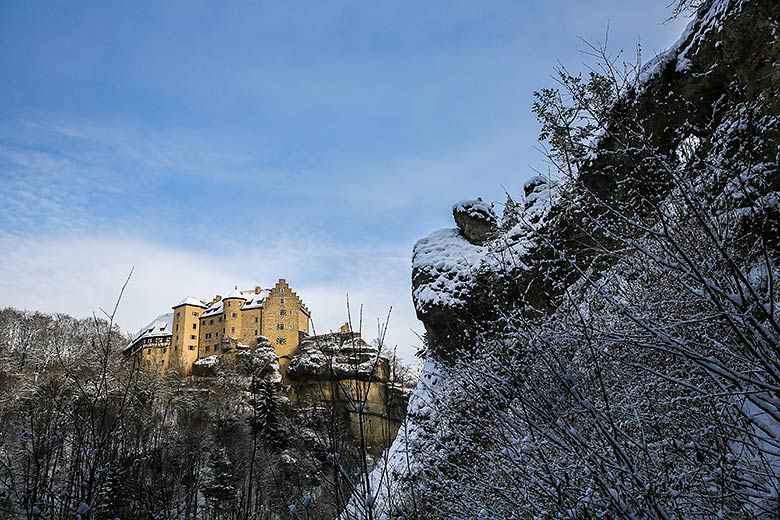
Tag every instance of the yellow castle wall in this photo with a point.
(211, 334)
(251, 326)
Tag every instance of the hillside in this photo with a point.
(607, 347)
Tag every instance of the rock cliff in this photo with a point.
(721, 76)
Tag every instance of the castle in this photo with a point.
(198, 329)
(335, 370)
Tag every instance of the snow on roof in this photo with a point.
(255, 301)
(235, 294)
(190, 300)
(216, 308)
(162, 325)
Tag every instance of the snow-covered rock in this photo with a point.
(475, 219)
(340, 355)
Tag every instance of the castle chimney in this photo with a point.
(215, 300)
(345, 328)
(257, 289)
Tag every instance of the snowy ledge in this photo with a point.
(443, 267)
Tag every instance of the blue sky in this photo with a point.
(211, 144)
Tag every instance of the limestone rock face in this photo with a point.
(341, 370)
(476, 220)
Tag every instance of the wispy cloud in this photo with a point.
(80, 274)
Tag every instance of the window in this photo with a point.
(192, 347)
(280, 326)
(192, 336)
(282, 312)
(228, 304)
(223, 330)
(211, 322)
(281, 341)
(177, 337)
(194, 325)
(148, 351)
(219, 319)
(281, 301)
(177, 326)
(195, 313)
(255, 319)
(176, 348)
(232, 330)
(233, 315)
(208, 335)
(165, 350)
(178, 314)
(208, 348)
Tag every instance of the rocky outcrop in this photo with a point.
(339, 371)
(476, 220)
(713, 82)
(340, 355)
(260, 363)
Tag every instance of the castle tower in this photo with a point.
(232, 317)
(186, 329)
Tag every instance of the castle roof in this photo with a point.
(191, 300)
(161, 326)
(253, 301)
